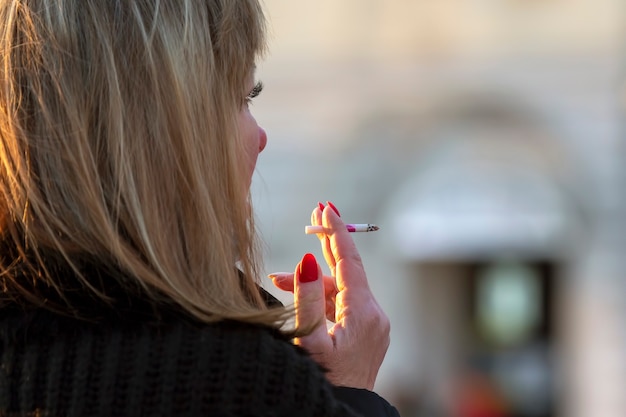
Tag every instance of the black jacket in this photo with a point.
(137, 359)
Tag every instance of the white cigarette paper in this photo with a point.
(309, 230)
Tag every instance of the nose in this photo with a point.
(262, 139)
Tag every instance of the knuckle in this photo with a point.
(378, 320)
(356, 256)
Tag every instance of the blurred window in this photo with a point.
(509, 302)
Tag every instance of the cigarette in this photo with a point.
(309, 230)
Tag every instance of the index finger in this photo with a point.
(316, 219)
(348, 263)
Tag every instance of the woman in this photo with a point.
(129, 261)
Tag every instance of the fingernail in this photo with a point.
(308, 268)
(275, 275)
(332, 206)
(321, 206)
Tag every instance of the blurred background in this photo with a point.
(486, 139)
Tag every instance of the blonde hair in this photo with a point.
(118, 140)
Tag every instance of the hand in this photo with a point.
(353, 349)
(285, 281)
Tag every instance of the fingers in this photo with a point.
(316, 219)
(340, 251)
(282, 280)
(310, 304)
(285, 281)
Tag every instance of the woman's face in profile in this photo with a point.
(254, 136)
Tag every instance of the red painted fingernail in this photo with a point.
(321, 206)
(332, 206)
(308, 268)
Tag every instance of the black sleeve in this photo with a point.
(366, 403)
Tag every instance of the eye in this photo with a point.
(256, 90)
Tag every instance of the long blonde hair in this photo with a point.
(118, 140)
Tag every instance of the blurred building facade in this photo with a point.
(486, 139)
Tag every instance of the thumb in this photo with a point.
(310, 305)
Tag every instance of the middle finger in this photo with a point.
(316, 219)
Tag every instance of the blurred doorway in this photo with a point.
(488, 336)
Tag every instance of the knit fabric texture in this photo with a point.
(135, 357)
(53, 366)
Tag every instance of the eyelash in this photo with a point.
(256, 90)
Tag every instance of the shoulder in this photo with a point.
(178, 368)
(288, 376)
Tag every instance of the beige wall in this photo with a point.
(424, 28)
(337, 68)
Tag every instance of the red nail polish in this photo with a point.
(308, 268)
(332, 206)
(321, 206)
